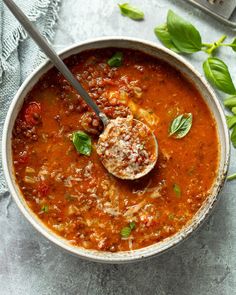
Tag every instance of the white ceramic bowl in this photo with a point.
(207, 93)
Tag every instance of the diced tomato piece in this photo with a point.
(43, 188)
(33, 113)
(23, 157)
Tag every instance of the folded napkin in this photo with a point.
(19, 55)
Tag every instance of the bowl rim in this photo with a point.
(123, 256)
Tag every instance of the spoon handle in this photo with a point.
(52, 55)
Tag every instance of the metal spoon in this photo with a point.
(60, 65)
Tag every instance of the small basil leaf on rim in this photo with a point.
(183, 34)
(231, 121)
(177, 189)
(230, 101)
(218, 75)
(181, 125)
(132, 12)
(233, 137)
(116, 60)
(125, 232)
(82, 142)
(163, 35)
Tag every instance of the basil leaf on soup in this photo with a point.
(218, 75)
(116, 60)
(125, 232)
(183, 34)
(231, 121)
(132, 12)
(181, 125)
(45, 208)
(230, 101)
(82, 142)
(164, 36)
(177, 189)
(233, 137)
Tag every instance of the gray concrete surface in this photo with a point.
(204, 264)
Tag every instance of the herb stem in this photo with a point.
(231, 177)
(212, 47)
(228, 45)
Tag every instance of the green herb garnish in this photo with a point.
(218, 75)
(126, 231)
(116, 60)
(45, 208)
(163, 35)
(177, 190)
(184, 35)
(233, 110)
(132, 225)
(181, 126)
(132, 12)
(82, 142)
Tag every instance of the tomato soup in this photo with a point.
(59, 171)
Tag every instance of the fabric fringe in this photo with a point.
(42, 7)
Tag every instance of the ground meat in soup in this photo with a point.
(72, 193)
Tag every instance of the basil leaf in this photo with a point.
(183, 34)
(231, 177)
(218, 75)
(234, 43)
(116, 60)
(132, 225)
(177, 190)
(164, 36)
(125, 232)
(233, 137)
(44, 208)
(234, 110)
(132, 12)
(181, 125)
(231, 121)
(230, 101)
(82, 142)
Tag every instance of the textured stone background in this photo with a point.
(204, 264)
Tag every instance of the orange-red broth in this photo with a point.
(73, 194)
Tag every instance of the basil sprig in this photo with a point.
(82, 142)
(132, 12)
(116, 60)
(218, 75)
(181, 126)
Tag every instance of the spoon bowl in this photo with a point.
(127, 148)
